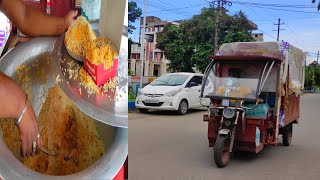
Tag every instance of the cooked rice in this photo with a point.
(101, 51)
(64, 129)
(77, 36)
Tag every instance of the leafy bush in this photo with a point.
(131, 94)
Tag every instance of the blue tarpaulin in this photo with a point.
(260, 112)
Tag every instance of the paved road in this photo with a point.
(163, 145)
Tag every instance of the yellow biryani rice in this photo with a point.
(101, 51)
(77, 36)
(66, 131)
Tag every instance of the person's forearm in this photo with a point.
(12, 98)
(31, 21)
(40, 24)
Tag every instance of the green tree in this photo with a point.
(189, 44)
(309, 72)
(172, 43)
(314, 1)
(134, 13)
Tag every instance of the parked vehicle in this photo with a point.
(174, 91)
(256, 96)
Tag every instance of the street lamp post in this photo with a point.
(142, 57)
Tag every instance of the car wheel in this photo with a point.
(143, 110)
(183, 107)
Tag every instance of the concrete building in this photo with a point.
(257, 36)
(155, 61)
(134, 60)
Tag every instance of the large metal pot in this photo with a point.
(115, 140)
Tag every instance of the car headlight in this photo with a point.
(228, 113)
(140, 92)
(172, 93)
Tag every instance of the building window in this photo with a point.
(150, 56)
(135, 56)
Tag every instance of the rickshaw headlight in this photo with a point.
(228, 113)
(227, 122)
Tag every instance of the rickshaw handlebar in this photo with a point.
(257, 102)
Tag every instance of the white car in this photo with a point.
(174, 91)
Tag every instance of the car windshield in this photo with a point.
(170, 80)
(236, 79)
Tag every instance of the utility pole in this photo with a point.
(278, 28)
(218, 14)
(142, 57)
(216, 33)
(318, 58)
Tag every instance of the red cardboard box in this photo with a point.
(98, 73)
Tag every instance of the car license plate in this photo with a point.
(152, 101)
(225, 102)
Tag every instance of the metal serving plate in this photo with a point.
(39, 51)
(110, 108)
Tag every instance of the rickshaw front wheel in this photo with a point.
(221, 151)
(287, 135)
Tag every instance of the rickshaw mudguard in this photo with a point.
(224, 131)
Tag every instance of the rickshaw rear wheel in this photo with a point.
(287, 135)
(221, 151)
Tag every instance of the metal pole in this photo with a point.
(142, 57)
(278, 35)
(216, 34)
(278, 29)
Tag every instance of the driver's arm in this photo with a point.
(32, 22)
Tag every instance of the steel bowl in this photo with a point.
(110, 108)
(114, 138)
(73, 55)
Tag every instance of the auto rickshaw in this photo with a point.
(255, 98)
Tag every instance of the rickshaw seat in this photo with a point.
(269, 98)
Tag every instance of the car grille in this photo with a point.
(152, 104)
(153, 95)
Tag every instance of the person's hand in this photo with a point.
(69, 18)
(28, 130)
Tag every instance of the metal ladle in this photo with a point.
(48, 152)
